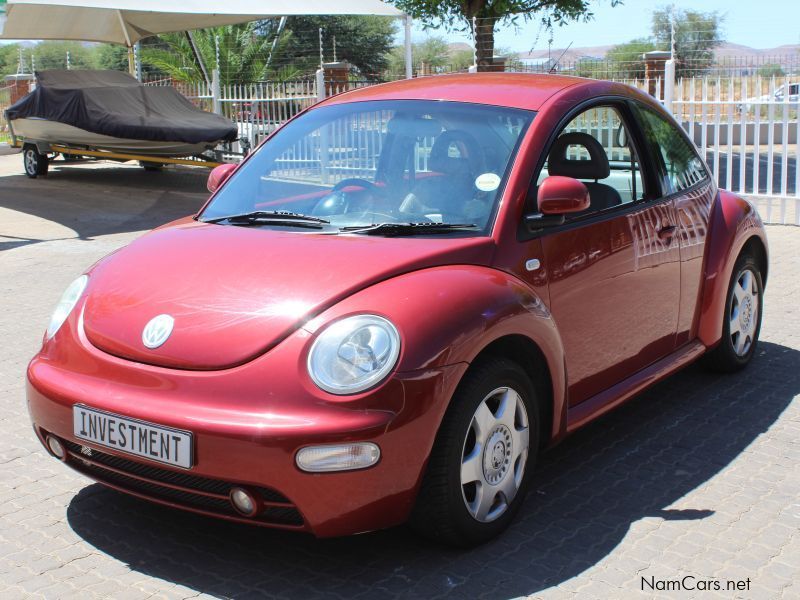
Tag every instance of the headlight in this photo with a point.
(354, 354)
(68, 300)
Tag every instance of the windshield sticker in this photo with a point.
(488, 182)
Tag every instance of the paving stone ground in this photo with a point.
(698, 477)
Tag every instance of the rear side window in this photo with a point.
(682, 167)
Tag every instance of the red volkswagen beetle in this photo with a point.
(387, 311)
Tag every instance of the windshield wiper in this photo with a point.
(271, 217)
(408, 228)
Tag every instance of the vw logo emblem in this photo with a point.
(157, 331)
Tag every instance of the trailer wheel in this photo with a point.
(150, 167)
(35, 163)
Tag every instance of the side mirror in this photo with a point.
(218, 176)
(558, 196)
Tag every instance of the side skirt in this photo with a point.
(603, 402)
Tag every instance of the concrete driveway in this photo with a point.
(697, 480)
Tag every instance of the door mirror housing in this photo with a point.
(562, 195)
(218, 176)
(556, 197)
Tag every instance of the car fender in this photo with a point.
(447, 315)
(732, 223)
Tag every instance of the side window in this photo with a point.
(682, 167)
(596, 149)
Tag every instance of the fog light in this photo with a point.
(56, 447)
(341, 457)
(244, 502)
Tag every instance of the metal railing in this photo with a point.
(745, 126)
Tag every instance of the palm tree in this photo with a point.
(243, 53)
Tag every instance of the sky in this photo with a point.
(758, 24)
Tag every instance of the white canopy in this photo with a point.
(128, 21)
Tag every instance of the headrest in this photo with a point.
(595, 168)
(470, 154)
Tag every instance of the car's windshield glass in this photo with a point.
(367, 163)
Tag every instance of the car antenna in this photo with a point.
(554, 68)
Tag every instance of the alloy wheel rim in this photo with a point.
(494, 455)
(30, 162)
(743, 317)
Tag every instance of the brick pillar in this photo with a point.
(337, 77)
(654, 69)
(20, 85)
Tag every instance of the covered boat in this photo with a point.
(110, 110)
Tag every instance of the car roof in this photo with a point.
(516, 90)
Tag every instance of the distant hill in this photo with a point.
(725, 50)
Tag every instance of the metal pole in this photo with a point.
(137, 60)
(409, 57)
(321, 59)
(198, 58)
(216, 92)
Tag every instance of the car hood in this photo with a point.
(235, 292)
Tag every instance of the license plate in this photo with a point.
(148, 440)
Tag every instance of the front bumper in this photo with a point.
(248, 423)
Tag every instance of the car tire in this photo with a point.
(35, 163)
(743, 310)
(447, 509)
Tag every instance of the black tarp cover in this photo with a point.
(115, 104)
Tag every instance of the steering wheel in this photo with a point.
(337, 202)
(358, 181)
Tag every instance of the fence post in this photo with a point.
(216, 92)
(669, 84)
(320, 85)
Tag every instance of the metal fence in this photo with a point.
(748, 130)
(746, 126)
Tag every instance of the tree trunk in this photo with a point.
(484, 43)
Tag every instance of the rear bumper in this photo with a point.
(246, 438)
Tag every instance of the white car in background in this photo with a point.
(778, 97)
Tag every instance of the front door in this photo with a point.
(613, 271)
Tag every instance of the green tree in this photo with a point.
(771, 70)
(434, 53)
(489, 14)
(246, 52)
(53, 55)
(9, 59)
(625, 60)
(242, 54)
(363, 41)
(696, 36)
(112, 56)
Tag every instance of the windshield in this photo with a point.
(366, 163)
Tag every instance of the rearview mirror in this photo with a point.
(556, 197)
(218, 176)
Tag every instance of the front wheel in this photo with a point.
(35, 163)
(481, 461)
(741, 322)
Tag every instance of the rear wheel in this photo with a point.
(741, 322)
(481, 462)
(35, 163)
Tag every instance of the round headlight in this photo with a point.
(65, 305)
(354, 354)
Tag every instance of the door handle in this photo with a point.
(666, 232)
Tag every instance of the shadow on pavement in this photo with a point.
(95, 201)
(631, 464)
